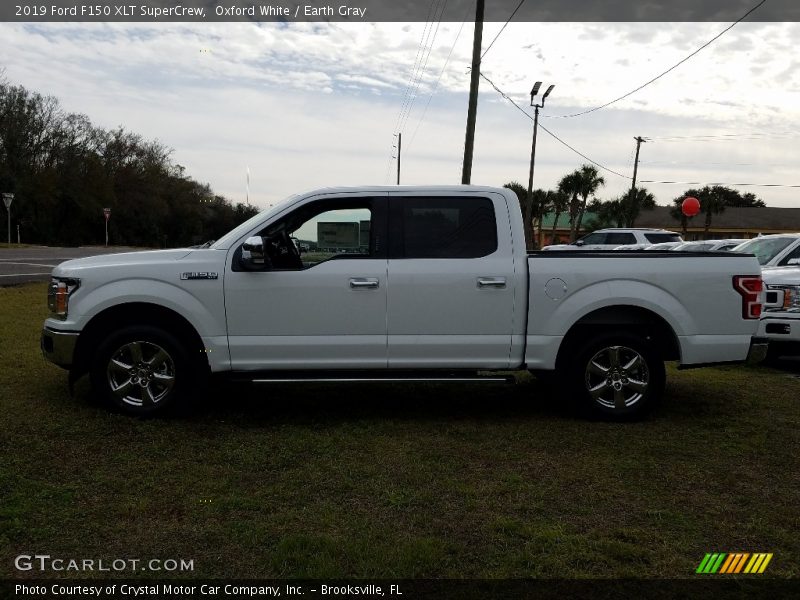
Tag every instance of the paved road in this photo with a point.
(21, 265)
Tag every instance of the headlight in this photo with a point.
(786, 298)
(58, 293)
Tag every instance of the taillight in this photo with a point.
(749, 288)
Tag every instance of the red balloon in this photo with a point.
(690, 206)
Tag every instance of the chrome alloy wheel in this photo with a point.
(617, 377)
(141, 373)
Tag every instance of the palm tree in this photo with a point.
(712, 202)
(522, 196)
(542, 204)
(532, 213)
(559, 203)
(570, 186)
(634, 202)
(590, 181)
(607, 214)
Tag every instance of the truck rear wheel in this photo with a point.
(142, 370)
(617, 376)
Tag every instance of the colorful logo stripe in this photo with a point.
(732, 563)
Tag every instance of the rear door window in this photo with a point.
(659, 238)
(620, 239)
(446, 227)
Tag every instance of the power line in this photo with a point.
(733, 137)
(550, 133)
(774, 185)
(708, 43)
(684, 163)
(421, 72)
(417, 71)
(408, 88)
(524, 112)
(411, 77)
(521, 2)
(438, 79)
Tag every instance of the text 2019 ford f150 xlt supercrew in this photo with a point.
(397, 282)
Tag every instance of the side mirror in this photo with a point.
(580, 243)
(253, 256)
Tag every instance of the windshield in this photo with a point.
(697, 247)
(765, 248)
(226, 240)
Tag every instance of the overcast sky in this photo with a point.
(313, 105)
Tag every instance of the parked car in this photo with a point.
(611, 238)
(776, 250)
(631, 247)
(444, 290)
(780, 320)
(708, 245)
(663, 246)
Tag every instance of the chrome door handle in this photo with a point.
(493, 282)
(361, 282)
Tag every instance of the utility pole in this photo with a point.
(639, 141)
(469, 143)
(399, 148)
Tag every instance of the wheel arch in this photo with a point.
(621, 318)
(134, 313)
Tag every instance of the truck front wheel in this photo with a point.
(617, 376)
(141, 370)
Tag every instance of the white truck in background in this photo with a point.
(619, 238)
(397, 283)
(780, 321)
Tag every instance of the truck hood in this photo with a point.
(781, 275)
(72, 268)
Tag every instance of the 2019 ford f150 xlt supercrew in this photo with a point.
(397, 282)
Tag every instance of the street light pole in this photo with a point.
(529, 198)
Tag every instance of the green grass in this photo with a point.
(396, 481)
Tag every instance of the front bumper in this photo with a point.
(779, 328)
(59, 346)
(758, 350)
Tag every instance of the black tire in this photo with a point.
(616, 376)
(143, 370)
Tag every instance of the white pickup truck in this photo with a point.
(780, 321)
(397, 283)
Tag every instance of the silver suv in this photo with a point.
(609, 239)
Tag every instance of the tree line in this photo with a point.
(572, 196)
(63, 171)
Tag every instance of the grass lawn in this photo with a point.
(380, 480)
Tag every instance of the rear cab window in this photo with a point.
(442, 227)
